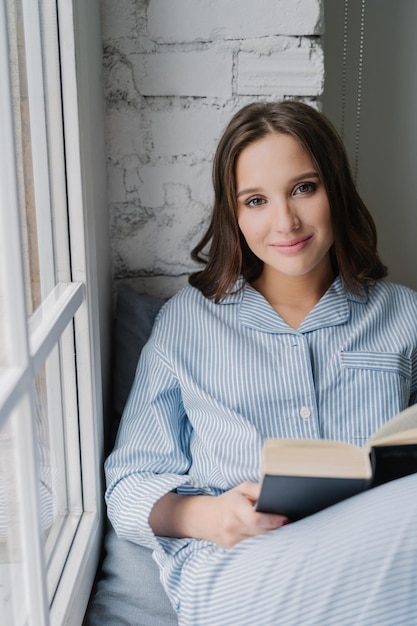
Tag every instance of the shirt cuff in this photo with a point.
(129, 509)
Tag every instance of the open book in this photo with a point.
(302, 476)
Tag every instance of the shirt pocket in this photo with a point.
(377, 386)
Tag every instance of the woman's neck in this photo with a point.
(294, 297)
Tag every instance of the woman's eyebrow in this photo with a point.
(297, 179)
(244, 192)
(312, 174)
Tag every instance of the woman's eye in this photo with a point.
(255, 202)
(305, 188)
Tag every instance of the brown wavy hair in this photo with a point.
(223, 249)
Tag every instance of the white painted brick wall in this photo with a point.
(208, 20)
(203, 73)
(175, 71)
(191, 131)
(295, 72)
(154, 182)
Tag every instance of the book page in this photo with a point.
(396, 427)
(314, 457)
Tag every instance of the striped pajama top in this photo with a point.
(215, 379)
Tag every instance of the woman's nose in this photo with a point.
(285, 219)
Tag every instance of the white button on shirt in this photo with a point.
(305, 412)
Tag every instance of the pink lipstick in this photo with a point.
(292, 246)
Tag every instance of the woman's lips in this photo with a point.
(293, 246)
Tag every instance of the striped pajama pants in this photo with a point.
(354, 564)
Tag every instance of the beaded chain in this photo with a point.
(359, 82)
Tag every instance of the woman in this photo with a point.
(287, 331)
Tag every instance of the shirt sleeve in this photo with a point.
(151, 455)
(413, 394)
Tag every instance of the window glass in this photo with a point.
(51, 455)
(50, 403)
(57, 432)
(13, 607)
(3, 346)
(32, 161)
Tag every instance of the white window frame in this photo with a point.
(57, 585)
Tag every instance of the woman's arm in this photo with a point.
(225, 519)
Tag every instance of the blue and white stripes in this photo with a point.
(215, 379)
(351, 565)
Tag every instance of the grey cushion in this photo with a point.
(135, 315)
(128, 590)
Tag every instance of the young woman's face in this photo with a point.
(283, 209)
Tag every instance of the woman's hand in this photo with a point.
(231, 517)
(225, 519)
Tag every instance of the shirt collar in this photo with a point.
(255, 312)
